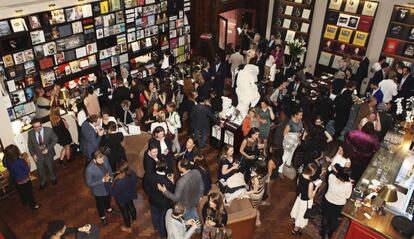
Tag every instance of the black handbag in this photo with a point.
(312, 212)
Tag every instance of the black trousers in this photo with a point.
(25, 191)
(330, 214)
(103, 203)
(128, 212)
(158, 220)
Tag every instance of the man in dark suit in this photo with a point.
(107, 87)
(200, 121)
(91, 135)
(294, 89)
(218, 74)
(362, 72)
(97, 173)
(41, 143)
(342, 108)
(406, 87)
(159, 204)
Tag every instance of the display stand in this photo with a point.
(399, 41)
(346, 32)
(293, 20)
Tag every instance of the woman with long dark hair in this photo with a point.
(214, 214)
(124, 190)
(19, 170)
(227, 165)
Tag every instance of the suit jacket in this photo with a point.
(291, 88)
(89, 140)
(201, 116)
(342, 105)
(378, 76)
(149, 163)
(49, 140)
(407, 89)
(94, 176)
(105, 85)
(362, 71)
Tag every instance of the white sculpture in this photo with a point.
(247, 91)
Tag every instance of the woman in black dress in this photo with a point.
(60, 127)
(113, 140)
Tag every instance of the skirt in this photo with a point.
(298, 211)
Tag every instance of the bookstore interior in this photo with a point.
(243, 65)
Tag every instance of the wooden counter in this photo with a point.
(387, 161)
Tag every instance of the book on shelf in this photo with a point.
(330, 31)
(351, 6)
(335, 4)
(306, 13)
(365, 23)
(325, 58)
(288, 10)
(345, 35)
(369, 8)
(360, 38)
(391, 46)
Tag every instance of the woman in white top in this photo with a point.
(339, 159)
(175, 122)
(339, 190)
(372, 117)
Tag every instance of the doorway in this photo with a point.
(229, 22)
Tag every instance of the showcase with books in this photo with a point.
(346, 32)
(399, 41)
(293, 20)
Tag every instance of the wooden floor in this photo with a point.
(72, 201)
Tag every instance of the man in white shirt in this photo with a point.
(389, 87)
(377, 65)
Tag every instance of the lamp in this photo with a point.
(388, 193)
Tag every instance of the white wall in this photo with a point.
(376, 41)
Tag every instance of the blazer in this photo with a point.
(200, 117)
(407, 89)
(49, 140)
(94, 176)
(188, 190)
(90, 140)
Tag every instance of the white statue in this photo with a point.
(247, 91)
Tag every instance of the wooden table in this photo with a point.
(378, 226)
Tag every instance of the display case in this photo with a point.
(293, 20)
(399, 41)
(346, 32)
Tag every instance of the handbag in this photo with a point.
(168, 135)
(289, 171)
(311, 212)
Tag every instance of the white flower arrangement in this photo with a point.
(409, 108)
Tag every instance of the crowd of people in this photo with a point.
(287, 133)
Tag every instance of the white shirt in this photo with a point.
(376, 67)
(338, 191)
(339, 159)
(40, 133)
(81, 117)
(165, 62)
(389, 89)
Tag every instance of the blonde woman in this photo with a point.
(61, 129)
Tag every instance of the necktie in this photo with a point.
(40, 138)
